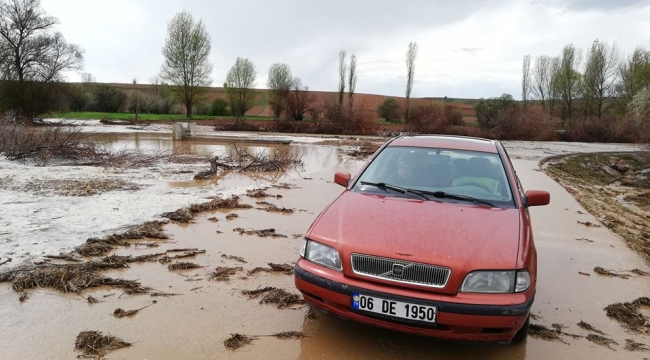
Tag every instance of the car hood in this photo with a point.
(461, 236)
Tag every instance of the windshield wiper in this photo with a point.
(384, 186)
(446, 195)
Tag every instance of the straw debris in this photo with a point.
(224, 273)
(261, 233)
(235, 341)
(632, 345)
(281, 298)
(586, 326)
(65, 278)
(268, 207)
(236, 258)
(544, 333)
(609, 273)
(186, 215)
(629, 315)
(119, 313)
(290, 335)
(602, 341)
(231, 216)
(94, 343)
(183, 266)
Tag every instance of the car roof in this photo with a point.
(447, 142)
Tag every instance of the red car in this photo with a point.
(432, 237)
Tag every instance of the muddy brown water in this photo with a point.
(194, 325)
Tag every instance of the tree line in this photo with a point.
(34, 57)
(600, 94)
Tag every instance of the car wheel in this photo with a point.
(522, 334)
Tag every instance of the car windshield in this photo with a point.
(474, 174)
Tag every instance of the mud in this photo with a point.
(214, 310)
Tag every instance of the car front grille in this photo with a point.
(401, 271)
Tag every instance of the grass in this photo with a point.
(146, 117)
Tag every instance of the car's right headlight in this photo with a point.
(321, 254)
(496, 282)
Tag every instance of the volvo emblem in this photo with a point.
(398, 269)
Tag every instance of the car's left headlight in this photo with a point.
(321, 254)
(496, 282)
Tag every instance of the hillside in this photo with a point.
(367, 102)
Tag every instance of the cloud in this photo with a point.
(467, 48)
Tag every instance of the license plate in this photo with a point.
(397, 309)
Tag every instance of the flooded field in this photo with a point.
(198, 309)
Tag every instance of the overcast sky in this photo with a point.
(467, 48)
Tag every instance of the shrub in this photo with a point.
(427, 119)
(219, 108)
(389, 110)
(487, 110)
(515, 123)
(346, 120)
(107, 98)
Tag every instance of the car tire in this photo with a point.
(522, 334)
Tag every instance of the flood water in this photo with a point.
(194, 324)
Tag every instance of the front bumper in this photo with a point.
(455, 321)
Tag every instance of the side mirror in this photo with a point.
(537, 198)
(342, 178)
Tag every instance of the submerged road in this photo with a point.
(195, 324)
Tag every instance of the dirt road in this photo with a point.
(194, 324)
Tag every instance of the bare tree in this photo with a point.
(599, 77)
(187, 67)
(279, 84)
(352, 78)
(568, 80)
(298, 100)
(239, 86)
(553, 95)
(33, 51)
(411, 54)
(541, 86)
(342, 72)
(526, 83)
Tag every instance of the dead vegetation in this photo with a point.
(70, 187)
(261, 233)
(544, 333)
(290, 335)
(67, 278)
(242, 159)
(586, 326)
(602, 341)
(223, 273)
(235, 341)
(632, 345)
(186, 215)
(119, 313)
(286, 269)
(99, 247)
(278, 297)
(628, 314)
(96, 344)
(235, 258)
(178, 266)
(268, 207)
(258, 194)
(609, 273)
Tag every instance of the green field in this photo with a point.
(146, 117)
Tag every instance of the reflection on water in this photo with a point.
(314, 157)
